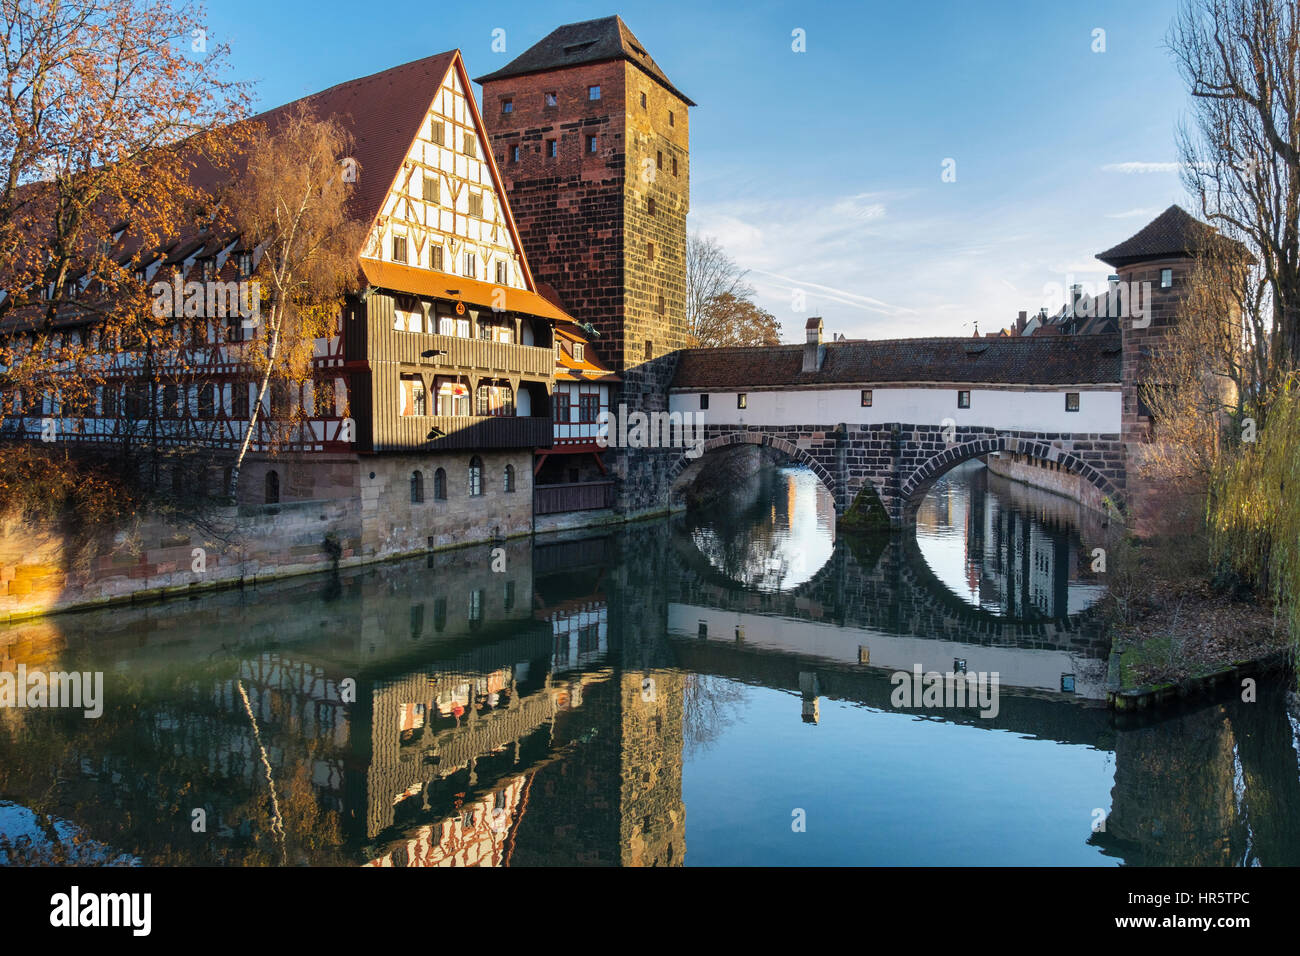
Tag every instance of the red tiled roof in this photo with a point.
(1051, 360)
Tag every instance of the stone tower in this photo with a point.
(592, 140)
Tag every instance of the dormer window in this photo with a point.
(244, 262)
(578, 351)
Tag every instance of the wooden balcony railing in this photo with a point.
(412, 432)
(479, 354)
(573, 496)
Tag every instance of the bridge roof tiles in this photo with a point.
(1035, 360)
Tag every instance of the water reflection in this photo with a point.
(618, 699)
(772, 532)
(1007, 548)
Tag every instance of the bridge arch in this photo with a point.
(685, 470)
(914, 486)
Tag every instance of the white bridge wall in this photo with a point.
(1013, 409)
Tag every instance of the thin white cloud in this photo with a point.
(1132, 213)
(844, 297)
(1140, 168)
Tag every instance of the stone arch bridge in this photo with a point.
(900, 462)
(891, 417)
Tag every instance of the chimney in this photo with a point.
(1021, 320)
(813, 350)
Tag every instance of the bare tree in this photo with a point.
(292, 207)
(1241, 155)
(710, 274)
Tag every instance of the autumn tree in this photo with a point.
(1241, 152)
(291, 206)
(719, 302)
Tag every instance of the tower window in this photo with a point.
(659, 159)
(649, 349)
(551, 149)
(549, 99)
(650, 251)
(593, 92)
(671, 118)
(659, 306)
(1166, 278)
(514, 154)
(591, 143)
(399, 248)
(674, 165)
(431, 192)
(507, 106)
(643, 100)
(650, 206)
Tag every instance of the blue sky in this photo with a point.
(821, 170)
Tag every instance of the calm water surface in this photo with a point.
(714, 689)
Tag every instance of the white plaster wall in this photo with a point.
(1012, 409)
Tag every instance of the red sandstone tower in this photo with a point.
(592, 141)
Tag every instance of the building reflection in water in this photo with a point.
(434, 713)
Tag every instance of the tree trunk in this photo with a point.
(233, 490)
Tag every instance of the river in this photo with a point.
(725, 687)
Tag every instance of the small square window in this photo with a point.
(1067, 683)
(1071, 401)
(593, 92)
(507, 106)
(435, 258)
(742, 400)
(471, 265)
(650, 251)
(471, 145)
(514, 154)
(551, 149)
(963, 399)
(549, 99)
(431, 189)
(399, 248)
(704, 400)
(501, 273)
(476, 205)
(866, 398)
(591, 143)
(1166, 278)
(436, 133)
(650, 206)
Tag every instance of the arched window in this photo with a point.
(272, 487)
(476, 476)
(440, 485)
(417, 487)
(508, 480)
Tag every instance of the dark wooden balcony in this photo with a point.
(572, 496)
(473, 354)
(412, 432)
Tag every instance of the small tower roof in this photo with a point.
(591, 41)
(1173, 234)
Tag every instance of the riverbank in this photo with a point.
(1174, 634)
